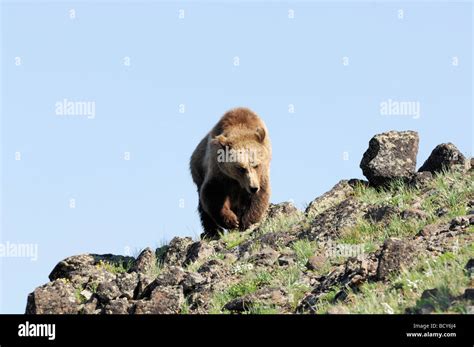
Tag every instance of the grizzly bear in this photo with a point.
(231, 169)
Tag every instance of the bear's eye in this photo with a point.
(242, 169)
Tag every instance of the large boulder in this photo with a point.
(445, 156)
(391, 155)
(395, 254)
(341, 191)
(57, 297)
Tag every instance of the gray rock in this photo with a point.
(267, 257)
(177, 251)
(163, 300)
(262, 297)
(445, 157)
(85, 264)
(56, 297)
(469, 294)
(107, 291)
(414, 213)
(342, 190)
(282, 209)
(145, 262)
(381, 214)
(199, 250)
(118, 306)
(391, 155)
(191, 281)
(332, 221)
(171, 276)
(394, 255)
(127, 284)
(316, 262)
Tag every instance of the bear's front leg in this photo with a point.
(258, 206)
(217, 205)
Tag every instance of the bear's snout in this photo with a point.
(253, 190)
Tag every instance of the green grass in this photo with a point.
(281, 223)
(247, 285)
(303, 249)
(115, 268)
(446, 273)
(232, 239)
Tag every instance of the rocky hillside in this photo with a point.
(400, 242)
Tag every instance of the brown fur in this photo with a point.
(233, 194)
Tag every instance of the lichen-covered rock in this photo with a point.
(445, 156)
(391, 155)
(198, 251)
(282, 209)
(331, 222)
(265, 297)
(177, 251)
(145, 262)
(341, 191)
(118, 306)
(56, 297)
(394, 255)
(266, 257)
(163, 300)
(85, 264)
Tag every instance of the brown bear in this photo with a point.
(231, 168)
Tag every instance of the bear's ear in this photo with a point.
(260, 133)
(220, 140)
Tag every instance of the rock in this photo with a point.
(316, 262)
(177, 251)
(56, 297)
(441, 211)
(127, 283)
(336, 195)
(414, 213)
(391, 155)
(118, 306)
(275, 240)
(163, 300)
(420, 179)
(198, 251)
(262, 297)
(430, 230)
(470, 267)
(91, 306)
(191, 281)
(107, 291)
(444, 157)
(267, 257)
(85, 264)
(285, 260)
(172, 276)
(282, 209)
(427, 308)
(430, 293)
(381, 214)
(332, 221)
(469, 294)
(145, 262)
(394, 255)
(459, 222)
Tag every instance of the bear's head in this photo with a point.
(243, 157)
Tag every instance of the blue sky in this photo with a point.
(335, 62)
